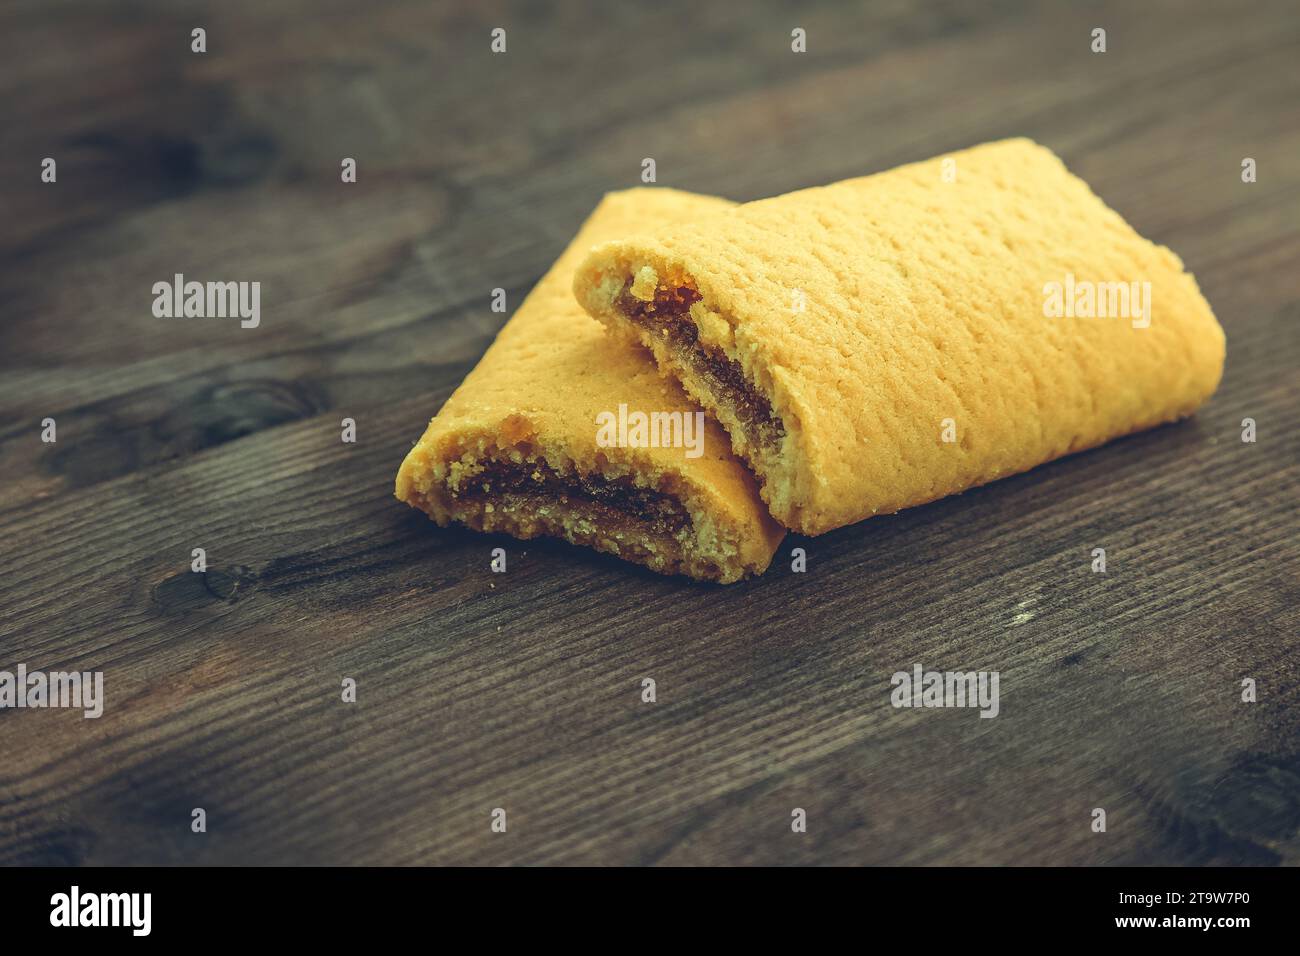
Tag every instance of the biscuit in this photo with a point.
(519, 448)
(886, 341)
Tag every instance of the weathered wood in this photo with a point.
(522, 690)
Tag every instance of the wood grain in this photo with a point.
(522, 690)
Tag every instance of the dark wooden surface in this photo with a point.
(522, 690)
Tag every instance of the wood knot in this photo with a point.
(188, 590)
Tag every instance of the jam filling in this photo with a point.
(617, 501)
(668, 314)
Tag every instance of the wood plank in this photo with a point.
(522, 690)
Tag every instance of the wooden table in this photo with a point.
(522, 691)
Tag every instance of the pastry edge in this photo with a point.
(720, 548)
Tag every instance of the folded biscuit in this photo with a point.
(542, 437)
(885, 341)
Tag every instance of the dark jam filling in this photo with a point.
(619, 502)
(667, 313)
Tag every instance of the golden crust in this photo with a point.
(924, 302)
(535, 396)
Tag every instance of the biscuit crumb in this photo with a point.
(713, 328)
(647, 280)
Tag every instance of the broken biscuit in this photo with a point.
(886, 341)
(519, 447)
